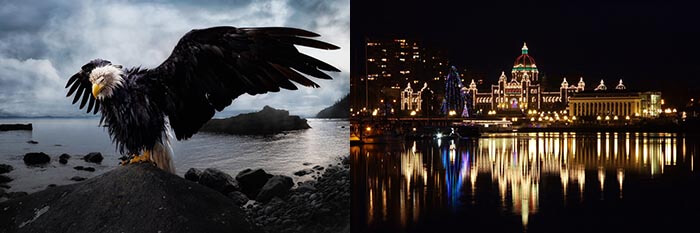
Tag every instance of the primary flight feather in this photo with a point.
(206, 71)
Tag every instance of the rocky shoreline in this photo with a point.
(269, 203)
(132, 198)
(274, 204)
(322, 205)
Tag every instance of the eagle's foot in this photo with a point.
(144, 158)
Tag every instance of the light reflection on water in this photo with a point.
(424, 179)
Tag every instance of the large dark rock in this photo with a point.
(218, 180)
(5, 168)
(36, 158)
(8, 127)
(277, 186)
(266, 121)
(132, 198)
(64, 156)
(251, 181)
(238, 197)
(340, 109)
(193, 174)
(94, 157)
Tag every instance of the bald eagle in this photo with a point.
(205, 72)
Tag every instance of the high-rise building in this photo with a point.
(391, 63)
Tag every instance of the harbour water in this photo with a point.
(282, 153)
(528, 182)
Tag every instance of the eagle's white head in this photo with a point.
(105, 77)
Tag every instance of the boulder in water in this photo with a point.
(36, 158)
(266, 121)
(94, 157)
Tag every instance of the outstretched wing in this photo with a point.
(81, 86)
(210, 67)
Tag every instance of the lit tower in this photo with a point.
(456, 101)
(525, 64)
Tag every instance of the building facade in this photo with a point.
(392, 62)
(521, 92)
(412, 100)
(604, 104)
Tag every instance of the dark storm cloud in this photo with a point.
(43, 42)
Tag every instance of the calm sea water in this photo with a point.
(529, 182)
(283, 153)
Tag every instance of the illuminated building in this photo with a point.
(390, 64)
(619, 102)
(411, 100)
(522, 92)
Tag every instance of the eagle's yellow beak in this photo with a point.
(96, 88)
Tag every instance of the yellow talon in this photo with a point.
(146, 157)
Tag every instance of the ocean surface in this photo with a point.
(283, 153)
(529, 182)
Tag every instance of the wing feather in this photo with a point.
(86, 96)
(92, 103)
(78, 95)
(209, 68)
(80, 87)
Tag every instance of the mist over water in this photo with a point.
(282, 153)
(528, 182)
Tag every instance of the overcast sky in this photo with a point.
(44, 42)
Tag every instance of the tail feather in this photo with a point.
(162, 157)
(162, 154)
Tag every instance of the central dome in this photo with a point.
(525, 64)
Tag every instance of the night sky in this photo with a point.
(650, 45)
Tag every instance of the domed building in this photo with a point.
(522, 92)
